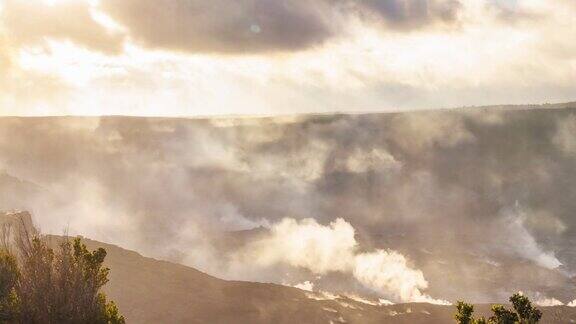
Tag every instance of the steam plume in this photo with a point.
(333, 248)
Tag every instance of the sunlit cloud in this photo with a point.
(485, 52)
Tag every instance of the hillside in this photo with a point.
(154, 291)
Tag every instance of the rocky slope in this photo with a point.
(154, 291)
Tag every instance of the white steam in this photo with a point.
(565, 137)
(388, 272)
(306, 285)
(360, 161)
(518, 240)
(333, 248)
(548, 302)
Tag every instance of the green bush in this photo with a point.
(41, 285)
(523, 313)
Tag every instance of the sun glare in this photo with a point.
(57, 2)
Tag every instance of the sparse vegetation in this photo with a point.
(523, 313)
(39, 284)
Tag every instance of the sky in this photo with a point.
(275, 57)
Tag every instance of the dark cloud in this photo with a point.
(263, 25)
(410, 14)
(224, 26)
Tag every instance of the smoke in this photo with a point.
(418, 133)
(306, 285)
(306, 244)
(397, 206)
(387, 272)
(362, 161)
(516, 239)
(565, 137)
(333, 248)
(548, 302)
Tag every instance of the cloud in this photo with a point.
(333, 248)
(224, 26)
(410, 14)
(6, 54)
(252, 26)
(17, 83)
(337, 55)
(32, 22)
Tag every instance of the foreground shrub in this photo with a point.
(523, 313)
(41, 285)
